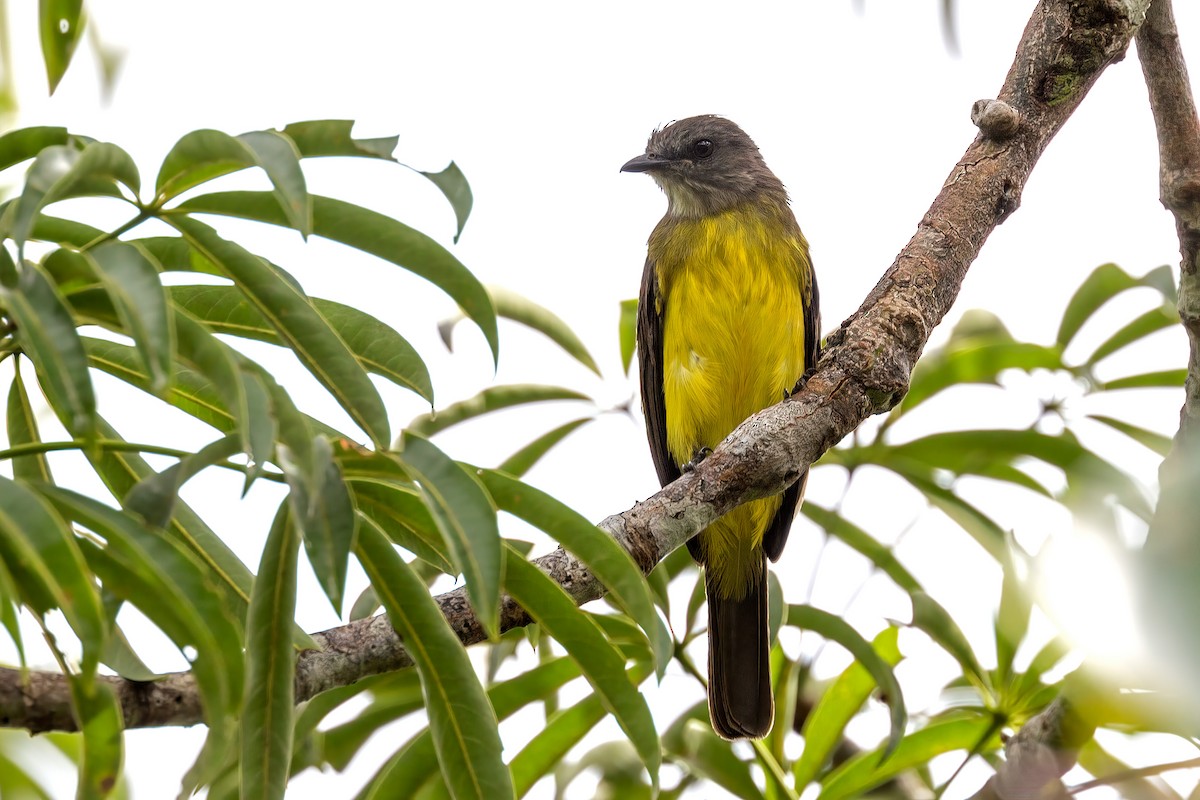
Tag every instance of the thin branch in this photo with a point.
(865, 370)
(1133, 774)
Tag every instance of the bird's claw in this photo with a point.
(698, 456)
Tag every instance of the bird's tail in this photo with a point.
(739, 670)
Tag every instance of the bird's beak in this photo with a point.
(646, 162)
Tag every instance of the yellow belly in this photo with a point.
(733, 343)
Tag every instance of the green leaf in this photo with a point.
(331, 137)
(101, 723)
(1103, 284)
(975, 362)
(60, 24)
(1153, 440)
(410, 768)
(564, 731)
(23, 429)
(932, 618)
(400, 512)
(173, 588)
(198, 157)
(46, 333)
(131, 280)
(154, 496)
(454, 186)
(627, 332)
(1012, 614)
(270, 665)
(607, 560)
(493, 398)
(708, 756)
(462, 721)
(866, 770)
(510, 305)
(1150, 322)
(583, 640)
(835, 629)
(42, 555)
(464, 515)
(25, 143)
(823, 730)
(1170, 378)
(323, 512)
(855, 537)
(372, 233)
(523, 460)
(303, 328)
(62, 171)
(377, 346)
(279, 158)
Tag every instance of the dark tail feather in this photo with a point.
(739, 669)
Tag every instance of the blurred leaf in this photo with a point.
(839, 703)
(712, 758)
(1170, 378)
(62, 171)
(930, 617)
(609, 562)
(1104, 283)
(372, 233)
(564, 731)
(977, 362)
(464, 514)
(835, 629)
(855, 537)
(131, 280)
(1012, 615)
(25, 143)
(331, 137)
(101, 724)
(266, 730)
(400, 512)
(453, 184)
(866, 770)
(43, 557)
(558, 616)
(1155, 441)
(9, 598)
(1102, 764)
(491, 399)
(15, 782)
(377, 346)
(1142, 326)
(47, 334)
(523, 460)
(280, 159)
(23, 429)
(60, 24)
(463, 723)
(510, 305)
(627, 332)
(303, 328)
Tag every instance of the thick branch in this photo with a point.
(865, 369)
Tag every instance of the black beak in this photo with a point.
(646, 162)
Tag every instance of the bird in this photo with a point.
(727, 324)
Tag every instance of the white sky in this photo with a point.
(861, 114)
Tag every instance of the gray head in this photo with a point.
(706, 164)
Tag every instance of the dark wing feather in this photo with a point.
(650, 364)
(776, 535)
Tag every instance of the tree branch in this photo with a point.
(865, 370)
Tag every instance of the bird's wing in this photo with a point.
(650, 361)
(776, 535)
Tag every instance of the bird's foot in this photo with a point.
(698, 456)
(799, 384)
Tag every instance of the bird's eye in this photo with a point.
(702, 148)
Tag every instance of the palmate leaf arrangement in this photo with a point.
(76, 299)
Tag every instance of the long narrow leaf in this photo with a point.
(494, 398)
(60, 24)
(523, 460)
(270, 666)
(306, 332)
(604, 668)
(462, 721)
(372, 233)
(23, 429)
(101, 723)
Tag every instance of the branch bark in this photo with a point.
(865, 370)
